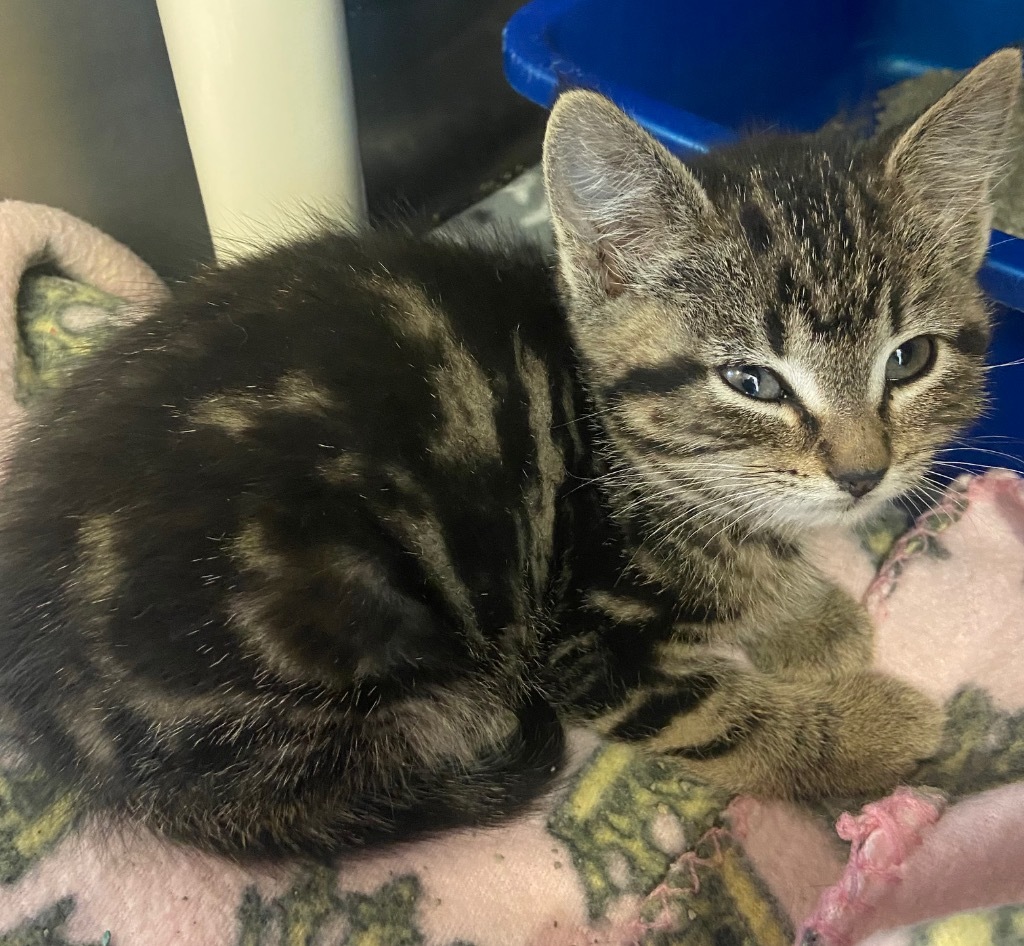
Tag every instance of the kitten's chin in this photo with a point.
(841, 512)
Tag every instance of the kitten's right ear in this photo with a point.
(616, 195)
(949, 159)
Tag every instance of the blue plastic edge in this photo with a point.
(533, 69)
(1002, 275)
(528, 59)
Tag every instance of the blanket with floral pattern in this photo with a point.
(627, 851)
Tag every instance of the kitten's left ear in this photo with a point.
(616, 195)
(948, 160)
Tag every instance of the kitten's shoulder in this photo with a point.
(335, 256)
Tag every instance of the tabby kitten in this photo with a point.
(327, 549)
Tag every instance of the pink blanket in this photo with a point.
(626, 852)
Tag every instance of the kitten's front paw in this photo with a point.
(882, 730)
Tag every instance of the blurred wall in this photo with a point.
(89, 118)
(438, 123)
(89, 122)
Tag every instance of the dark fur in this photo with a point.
(326, 550)
(124, 585)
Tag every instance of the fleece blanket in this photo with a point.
(626, 851)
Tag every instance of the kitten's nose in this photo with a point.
(858, 482)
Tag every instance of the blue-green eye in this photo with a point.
(911, 360)
(753, 381)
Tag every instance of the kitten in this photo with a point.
(327, 550)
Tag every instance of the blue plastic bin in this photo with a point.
(695, 73)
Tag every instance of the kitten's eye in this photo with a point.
(758, 383)
(911, 360)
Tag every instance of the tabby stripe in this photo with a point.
(875, 284)
(847, 229)
(658, 707)
(810, 422)
(593, 694)
(756, 228)
(715, 748)
(785, 284)
(820, 324)
(779, 547)
(657, 379)
(775, 329)
(971, 340)
(649, 445)
(896, 309)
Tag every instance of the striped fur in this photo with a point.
(327, 550)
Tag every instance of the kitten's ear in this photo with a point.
(616, 195)
(948, 160)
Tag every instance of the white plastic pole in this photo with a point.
(265, 89)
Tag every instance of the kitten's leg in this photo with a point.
(824, 632)
(623, 666)
(748, 731)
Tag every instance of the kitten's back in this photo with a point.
(239, 535)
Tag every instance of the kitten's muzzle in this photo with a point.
(858, 482)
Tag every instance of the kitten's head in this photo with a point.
(789, 328)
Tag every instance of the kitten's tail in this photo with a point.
(319, 824)
(507, 782)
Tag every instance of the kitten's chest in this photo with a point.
(729, 582)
